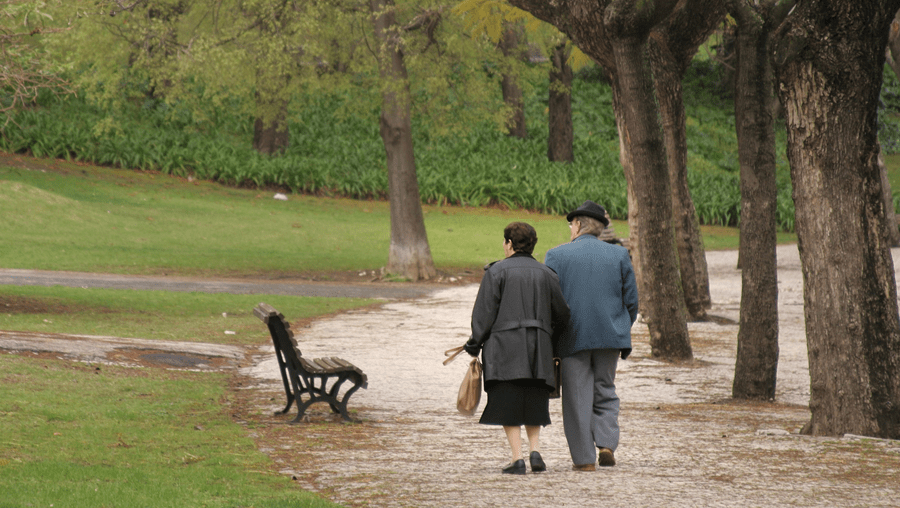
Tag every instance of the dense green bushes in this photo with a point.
(341, 157)
(331, 156)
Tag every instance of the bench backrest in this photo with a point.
(282, 335)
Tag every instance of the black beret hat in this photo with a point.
(589, 209)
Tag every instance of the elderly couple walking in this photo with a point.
(579, 306)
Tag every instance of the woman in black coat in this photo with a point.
(519, 311)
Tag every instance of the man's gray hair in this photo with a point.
(589, 225)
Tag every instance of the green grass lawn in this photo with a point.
(82, 435)
(64, 216)
(158, 315)
(78, 435)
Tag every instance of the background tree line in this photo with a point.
(447, 66)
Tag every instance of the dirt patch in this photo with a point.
(11, 304)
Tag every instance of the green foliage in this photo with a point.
(336, 149)
(179, 85)
(889, 113)
(345, 157)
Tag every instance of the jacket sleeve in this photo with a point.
(550, 261)
(559, 309)
(629, 288)
(487, 304)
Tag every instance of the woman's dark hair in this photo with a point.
(522, 236)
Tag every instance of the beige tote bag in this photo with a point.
(470, 390)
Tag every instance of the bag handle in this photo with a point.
(452, 353)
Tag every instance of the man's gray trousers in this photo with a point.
(589, 403)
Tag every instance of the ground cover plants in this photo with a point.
(337, 152)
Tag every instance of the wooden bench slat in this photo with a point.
(328, 364)
(311, 366)
(350, 366)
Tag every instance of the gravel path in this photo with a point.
(684, 441)
(18, 277)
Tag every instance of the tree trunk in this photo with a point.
(829, 59)
(409, 255)
(614, 33)
(756, 365)
(665, 311)
(561, 133)
(673, 44)
(635, 215)
(691, 255)
(270, 129)
(509, 84)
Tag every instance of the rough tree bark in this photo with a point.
(561, 133)
(614, 33)
(629, 25)
(270, 129)
(756, 365)
(673, 44)
(829, 59)
(409, 255)
(513, 49)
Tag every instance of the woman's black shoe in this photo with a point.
(537, 463)
(517, 467)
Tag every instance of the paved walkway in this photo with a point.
(684, 442)
(241, 287)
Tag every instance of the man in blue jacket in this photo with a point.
(598, 282)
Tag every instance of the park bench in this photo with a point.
(302, 375)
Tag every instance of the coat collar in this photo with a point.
(585, 237)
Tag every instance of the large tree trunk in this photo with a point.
(673, 44)
(513, 50)
(270, 137)
(644, 138)
(756, 365)
(409, 255)
(270, 129)
(590, 23)
(691, 254)
(635, 214)
(829, 59)
(561, 133)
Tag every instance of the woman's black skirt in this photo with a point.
(517, 402)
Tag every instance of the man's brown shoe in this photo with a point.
(584, 467)
(606, 458)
